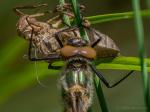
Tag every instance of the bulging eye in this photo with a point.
(68, 51)
(88, 52)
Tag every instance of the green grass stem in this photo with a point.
(116, 16)
(65, 17)
(79, 20)
(100, 94)
(140, 39)
(118, 63)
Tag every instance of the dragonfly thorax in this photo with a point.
(77, 63)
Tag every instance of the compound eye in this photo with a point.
(68, 51)
(88, 52)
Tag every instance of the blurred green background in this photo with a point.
(19, 88)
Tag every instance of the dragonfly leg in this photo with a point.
(50, 57)
(107, 84)
(98, 40)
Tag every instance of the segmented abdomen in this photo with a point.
(77, 89)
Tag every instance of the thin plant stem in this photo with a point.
(79, 19)
(65, 17)
(140, 38)
(118, 63)
(115, 17)
(100, 95)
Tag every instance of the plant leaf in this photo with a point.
(140, 39)
(114, 17)
(100, 94)
(120, 63)
(78, 19)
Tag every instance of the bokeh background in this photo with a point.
(21, 92)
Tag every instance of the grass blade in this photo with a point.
(79, 19)
(119, 67)
(118, 63)
(114, 17)
(65, 17)
(100, 94)
(140, 38)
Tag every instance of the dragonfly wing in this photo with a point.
(106, 47)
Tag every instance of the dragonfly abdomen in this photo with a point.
(77, 87)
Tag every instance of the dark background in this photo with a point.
(127, 97)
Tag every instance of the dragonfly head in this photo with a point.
(77, 47)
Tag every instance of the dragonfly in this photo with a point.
(76, 78)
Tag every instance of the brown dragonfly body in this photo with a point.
(66, 44)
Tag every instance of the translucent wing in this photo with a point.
(106, 47)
